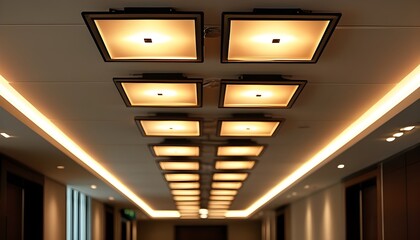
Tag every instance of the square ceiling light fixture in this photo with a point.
(160, 90)
(184, 185)
(234, 164)
(239, 150)
(179, 165)
(147, 35)
(168, 127)
(276, 35)
(175, 150)
(234, 176)
(226, 185)
(182, 177)
(260, 91)
(248, 128)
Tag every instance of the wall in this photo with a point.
(98, 220)
(165, 229)
(319, 216)
(54, 210)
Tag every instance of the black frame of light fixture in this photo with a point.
(277, 14)
(159, 78)
(255, 79)
(169, 118)
(145, 13)
(220, 122)
(175, 144)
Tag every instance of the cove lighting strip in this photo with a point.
(27, 109)
(402, 90)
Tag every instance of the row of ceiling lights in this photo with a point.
(163, 34)
(182, 171)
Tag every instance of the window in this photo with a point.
(78, 215)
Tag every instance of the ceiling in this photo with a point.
(49, 57)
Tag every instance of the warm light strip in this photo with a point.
(401, 91)
(27, 109)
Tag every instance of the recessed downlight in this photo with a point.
(390, 139)
(5, 135)
(398, 134)
(340, 166)
(61, 167)
(93, 186)
(408, 128)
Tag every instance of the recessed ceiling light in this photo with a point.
(226, 185)
(259, 91)
(61, 167)
(184, 185)
(93, 186)
(245, 128)
(5, 135)
(147, 34)
(408, 128)
(276, 35)
(398, 134)
(182, 177)
(160, 93)
(229, 176)
(234, 165)
(224, 192)
(153, 127)
(306, 187)
(390, 139)
(240, 151)
(185, 192)
(341, 166)
(111, 198)
(175, 150)
(179, 165)
(187, 198)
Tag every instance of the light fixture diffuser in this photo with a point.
(240, 150)
(226, 185)
(185, 192)
(222, 198)
(166, 92)
(175, 150)
(234, 164)
(181, 165)
(223, 192)
(248, 128)
(182, 177)
(158, 127)
(187, 198)
(260, 91)
(147, 34)
(276, 35)
(229, 176)
(184, 185)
